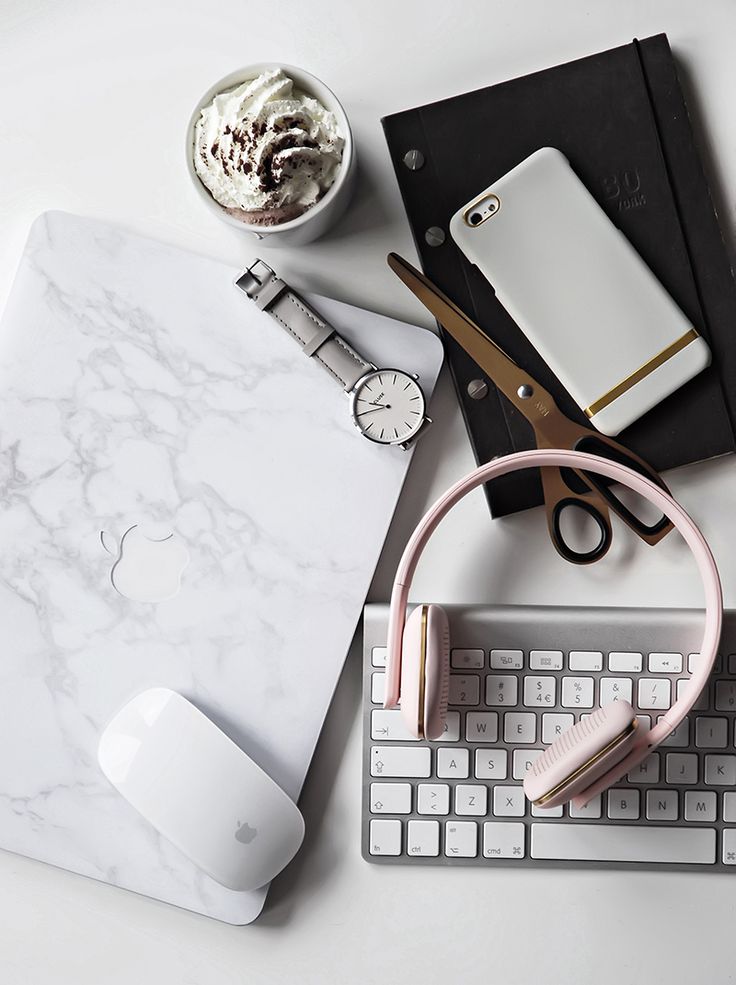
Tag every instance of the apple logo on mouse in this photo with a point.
(148, 567)
(245, 834)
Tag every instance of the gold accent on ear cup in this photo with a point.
(617, 740)
(422, 671)
(643, 371)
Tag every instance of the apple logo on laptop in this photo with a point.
(245, 834)
(147, 567)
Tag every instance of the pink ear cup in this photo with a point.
(436, 672)
(581, 755)
(425, 671)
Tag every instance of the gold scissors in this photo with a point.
(562, 488)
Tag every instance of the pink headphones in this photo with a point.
(600, 749)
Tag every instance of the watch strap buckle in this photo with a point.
(261, 284)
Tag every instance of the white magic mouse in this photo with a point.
(200, 790)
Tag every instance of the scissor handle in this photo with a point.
(599, 444)
(559, 498)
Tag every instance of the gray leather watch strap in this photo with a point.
(318, 339)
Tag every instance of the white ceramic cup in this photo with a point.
(317, 219)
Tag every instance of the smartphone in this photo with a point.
(579, 291)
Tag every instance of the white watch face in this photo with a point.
(388, 406)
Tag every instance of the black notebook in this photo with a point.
(621, 120)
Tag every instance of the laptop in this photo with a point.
(186, 503)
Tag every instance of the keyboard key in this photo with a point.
(379, 656)
(451, 732)
(622, 843)
(546, 811)
(620, 662)
(390, 798)
(491, 764)
(615, 689)
(693, 659)
(732, 663)
(729, 846)
(647, 771)
(423, 838)
(585, 660)
(481, 726)
(540, 691)
(471, 799)
(461, 839)
(467, 659)
(401, 761)
(508, 802)
(591, 810)
(503, 839)
(378, 687)
(680, 736)
(700, 805)
(725, 695)
(720, 771)
(711, 733)
(387, 724)
(682, 767)
(553, 725)
(522, 760)
(433, 798)
(501, 690)
(464, 689)
(662, 805)
(519, 727)
(545, 660)
(577, 692)
(654, 692)
(729, 806)
(665, 663)
(623, 804)
(702, 703)
(385, 837)
(453, 763)
(507, 659)
(692, 662)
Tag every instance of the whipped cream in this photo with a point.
(267, 150)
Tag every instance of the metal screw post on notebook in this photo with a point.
(414, 160)
(434, 236)
(477, 389)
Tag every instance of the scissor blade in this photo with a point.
(490, 357)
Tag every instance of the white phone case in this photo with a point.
(579, 291)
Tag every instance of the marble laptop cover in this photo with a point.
(149, 415)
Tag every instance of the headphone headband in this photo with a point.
(640, 484)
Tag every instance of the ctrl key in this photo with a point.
(385, 837)
(503, 839)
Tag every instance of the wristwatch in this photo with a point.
(387, 405)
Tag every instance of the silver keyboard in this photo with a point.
(519, 676)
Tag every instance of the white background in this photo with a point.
(95, 99)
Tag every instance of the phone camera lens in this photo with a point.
(475, 218)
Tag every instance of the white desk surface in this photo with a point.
(96, 96)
